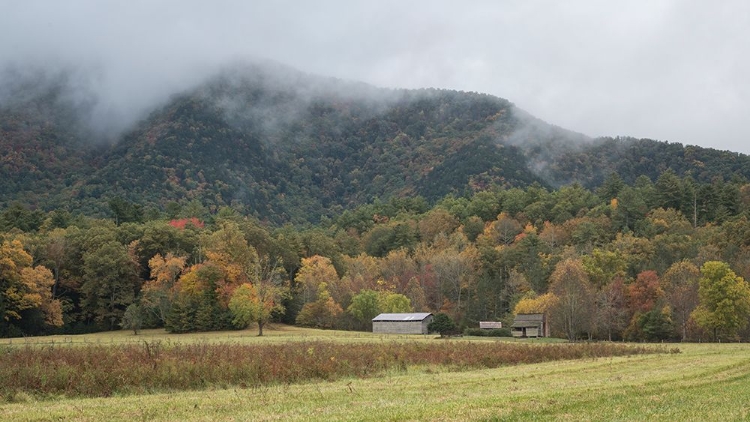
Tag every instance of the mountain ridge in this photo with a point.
(286, 146)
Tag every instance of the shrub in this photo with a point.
(495, 332)
(499, 332)
(477, 332)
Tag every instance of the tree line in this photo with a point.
(647, 261)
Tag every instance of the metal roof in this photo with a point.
(418, 316)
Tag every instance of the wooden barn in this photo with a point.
(414, 323)
(490, 325)
(530, 325)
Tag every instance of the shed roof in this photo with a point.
(528, 320)
(417, 316)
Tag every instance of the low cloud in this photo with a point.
(672, 70)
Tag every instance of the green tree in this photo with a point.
(244, 305)
(668, 190)
(629, 209)
(365, 306)
(132, 319)
(394, 303)
(18, 216)
(611, 187)
(443, 324)
(724, 300)
(110, 282)
(655, 324)
(602, 266)
(125, 211)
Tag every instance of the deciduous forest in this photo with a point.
(258, 198)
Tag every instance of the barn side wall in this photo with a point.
(399, 327)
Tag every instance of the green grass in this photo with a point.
(704, 382)
(272, 333)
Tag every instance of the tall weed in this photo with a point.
(101, 370)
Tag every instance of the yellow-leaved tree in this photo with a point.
(532, 304)
(158, 293)
(24, 287)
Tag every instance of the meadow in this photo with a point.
(701, 382)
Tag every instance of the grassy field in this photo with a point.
(703, 382)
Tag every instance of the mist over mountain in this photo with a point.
(286, 146)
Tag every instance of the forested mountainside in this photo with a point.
(285, 146)
(44, 143)
(401, 200)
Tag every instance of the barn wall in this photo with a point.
(399, 327)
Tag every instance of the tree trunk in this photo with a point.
(260, 328)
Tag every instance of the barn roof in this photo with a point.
(417, 316)
(528, 320)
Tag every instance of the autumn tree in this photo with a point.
(724, 301)
(362, 272)
(574, 312)
(516, 288)
(503, 230)
(322, 313)
(455, 270)
(681, 288)
(438, 221)
(158, 292)
(415, 293)
(270, 289)
(554, 235)
(397, 268)
(228, 249)
(611, 308)
(314, 271)
(651, 317)
(25, 288)
(532, 304)
(645, 292)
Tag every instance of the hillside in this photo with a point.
(286, 146)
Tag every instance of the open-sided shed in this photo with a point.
(412, 323)
(530, 325)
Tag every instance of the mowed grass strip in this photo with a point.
(149, 367)
(703, 383)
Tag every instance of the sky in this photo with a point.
(676, 71)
